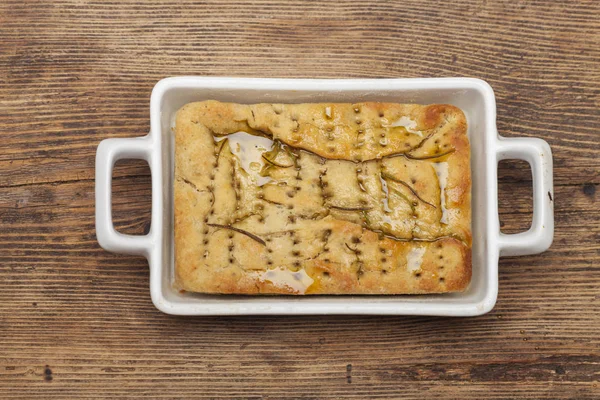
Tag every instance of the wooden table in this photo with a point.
(77, 322)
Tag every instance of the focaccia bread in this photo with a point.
(365, 198)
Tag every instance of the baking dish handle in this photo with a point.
(539, 156)
(109, 152)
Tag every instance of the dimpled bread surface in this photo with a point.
(330, 198)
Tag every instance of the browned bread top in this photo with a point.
(366, 198)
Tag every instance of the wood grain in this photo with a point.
(77, 322)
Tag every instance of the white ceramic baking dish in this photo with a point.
(475, 97)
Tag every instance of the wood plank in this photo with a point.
(78, 322)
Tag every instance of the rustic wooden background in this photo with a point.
(77, 322)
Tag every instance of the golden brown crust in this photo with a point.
(367, 198)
